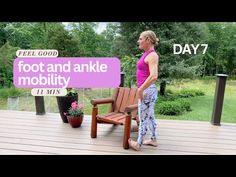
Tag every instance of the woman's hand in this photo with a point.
(140, 94)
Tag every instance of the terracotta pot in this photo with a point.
(75, 121)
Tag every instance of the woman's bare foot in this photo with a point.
(133, 144)
(150, 142)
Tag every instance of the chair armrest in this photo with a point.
(94, 102)
(131, 108)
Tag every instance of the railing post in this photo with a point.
(219, 98)
(122, 79)
(39, 104)
(162, 87)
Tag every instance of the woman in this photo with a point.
(146, 76)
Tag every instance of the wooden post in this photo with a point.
(122, 79)
(39, 104)
(94, 122)
(127, 129)
(162, 87)
(219, 98)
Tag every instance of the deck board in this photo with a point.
(26, 133)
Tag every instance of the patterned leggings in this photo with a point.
(146, 113)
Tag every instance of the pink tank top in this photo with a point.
(142, 72)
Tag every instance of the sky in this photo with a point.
(101, 27)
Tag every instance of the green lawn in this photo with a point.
(201, 106)
(27, 101)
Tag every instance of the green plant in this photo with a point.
(4, 93)
(75, 110)
(185, 104)
(10, 92)
(14, 92)
(128, 66)
(186, 93)
(170, 108)
(71, 92)
(167, 97)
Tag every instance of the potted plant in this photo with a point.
(75, 114)
(64, 102)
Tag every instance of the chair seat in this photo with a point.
(112, 118)
(123, 110)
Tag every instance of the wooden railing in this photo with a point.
(217, 106)
(39, 100)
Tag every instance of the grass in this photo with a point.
(201, 106)
(27, 101)
(3, 103)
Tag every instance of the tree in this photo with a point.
(3, 36)
(221, 57)
(60, 39)
(7, 56)
(169, 34)
(90, 43)
(111, 38)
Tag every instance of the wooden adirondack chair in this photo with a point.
(124, 108)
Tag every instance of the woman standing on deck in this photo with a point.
(146, 76)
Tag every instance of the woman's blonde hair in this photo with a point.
(151, 36)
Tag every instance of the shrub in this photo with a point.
(185, 104)
(199, 93)
(186, 93)
(9, 92)
(4, 93)
(168, 91)
(176, 103)
(167, 97)
(169, 108)
(13, 92)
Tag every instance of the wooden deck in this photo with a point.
(26, 133)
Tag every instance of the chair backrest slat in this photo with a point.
(132, 95)
(134, 113)
(119, 99)
(114, 97)
(125, 99)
